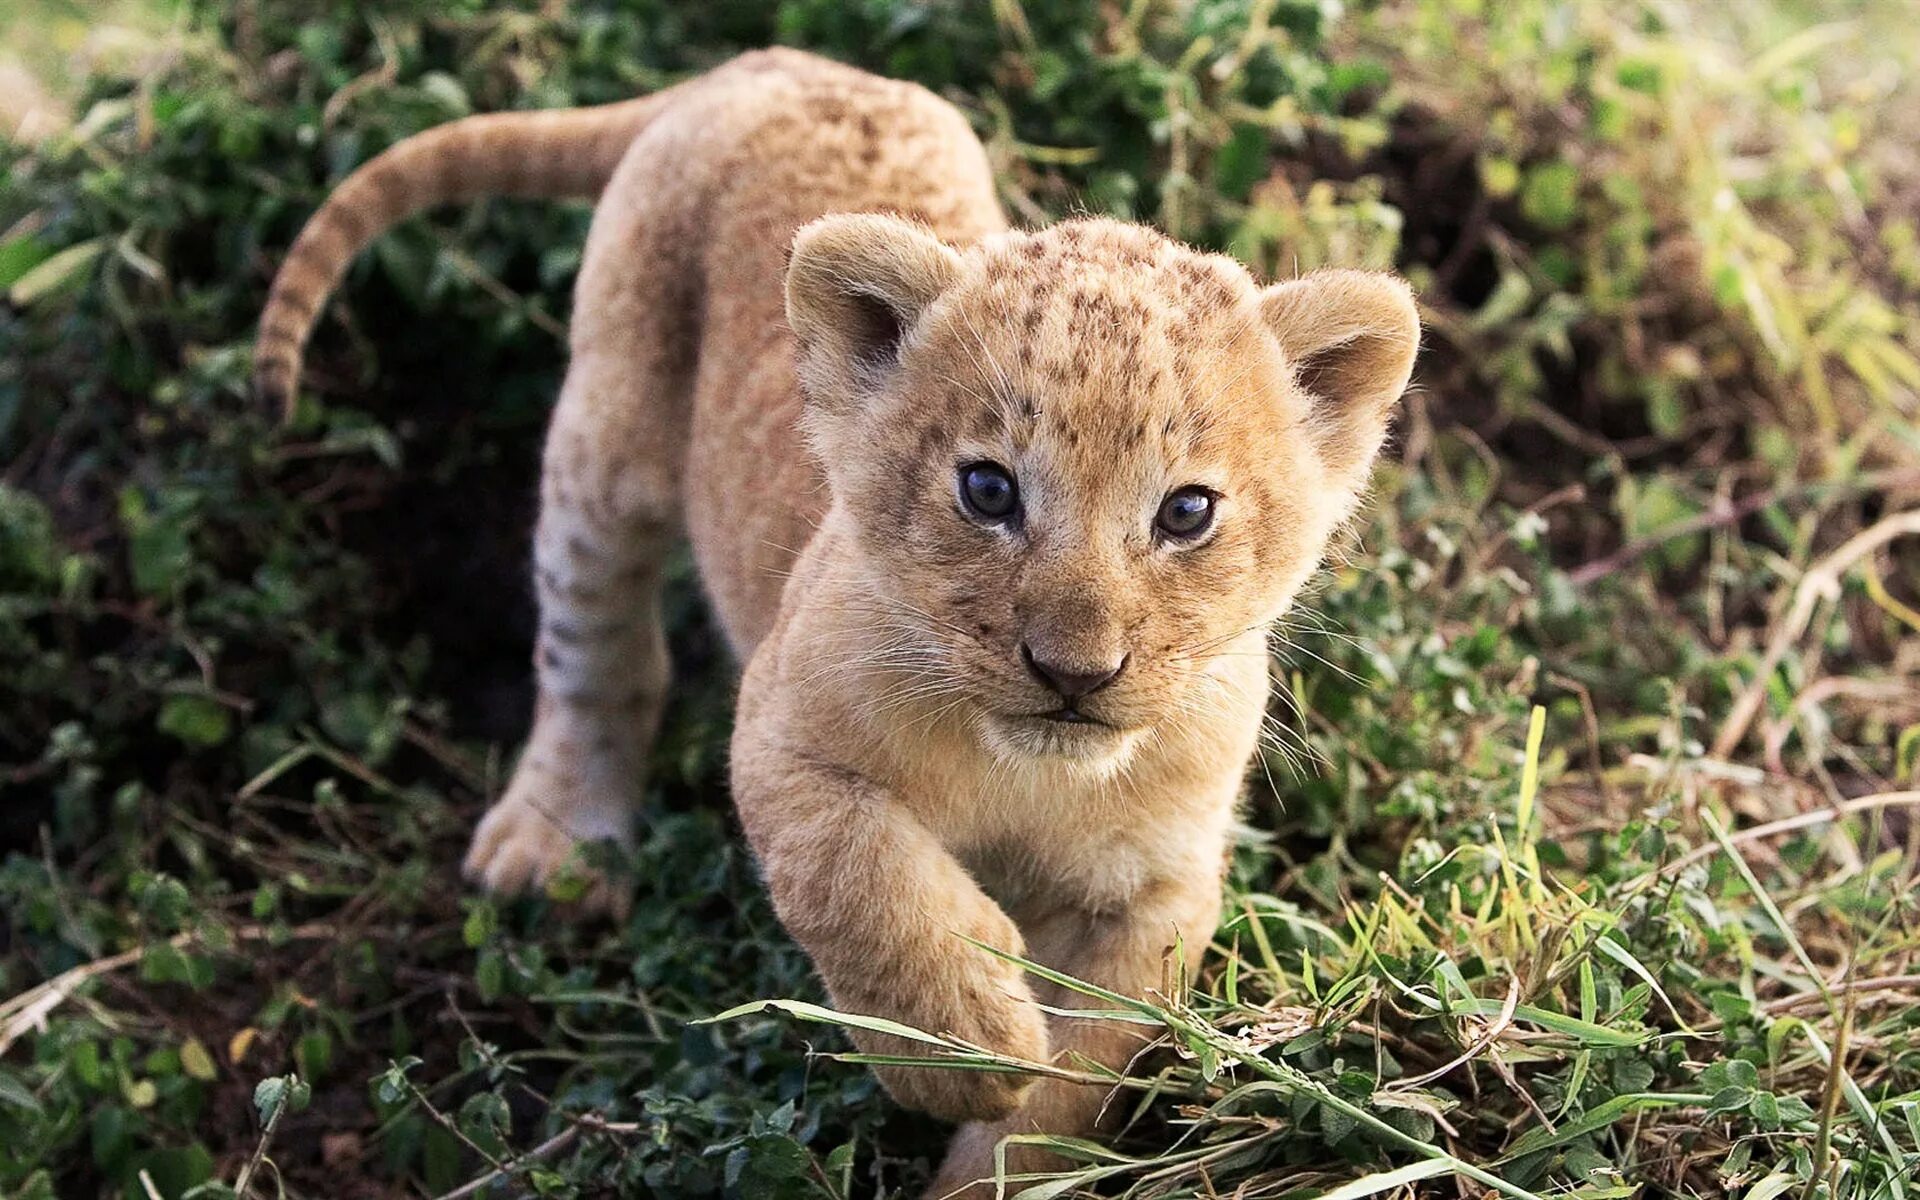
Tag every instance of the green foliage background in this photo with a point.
(255, 683)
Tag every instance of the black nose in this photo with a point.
(1071, 683)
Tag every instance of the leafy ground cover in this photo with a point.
(1579, 862)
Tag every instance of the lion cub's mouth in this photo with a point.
(1066, 734)
(1070, 715)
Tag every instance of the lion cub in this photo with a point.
(998, 520)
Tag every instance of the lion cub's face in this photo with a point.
(1085, 462)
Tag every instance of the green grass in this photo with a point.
(1580, 862)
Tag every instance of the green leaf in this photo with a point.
(485, 1119)
(1776, 1184)
(195, 720)
(162, 962)
(15, 1093)
(20, 254)
(1550, 197)
(482, 920)
(314, 1053)
(159, 548)
(391, 1086)
(57, 274)
(490, 974)
(1499, 176)
(196, 1062)
(172, 1171)
(1242, 162)
(1729, 1099)
(1730, 1073)
(1335, 1125)
(268, 1095)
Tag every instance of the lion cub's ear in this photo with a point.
(857, 284)
(1350, 337)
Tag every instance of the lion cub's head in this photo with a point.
(1084, 462)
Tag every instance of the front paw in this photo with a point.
(995, 1012)
(536, 833)
(956, 1095)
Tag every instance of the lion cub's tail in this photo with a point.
(560, 153)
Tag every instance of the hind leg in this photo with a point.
(607, 519)
(609, 512)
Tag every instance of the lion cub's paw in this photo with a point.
(956, 1095)
(999, 1017)
(535, 835)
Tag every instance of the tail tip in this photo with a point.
(273, 385)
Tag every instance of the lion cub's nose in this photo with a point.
(1071, 682)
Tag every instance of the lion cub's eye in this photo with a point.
(988, 491)
(1185, 514)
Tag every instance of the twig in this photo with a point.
(506, 297)
(1830, 1104)
(1717, 517)
(1820, 582)
(1805, 820)
(1810, 699)
(30, 1009)
(551, 1146)
(1573, 493)
(1880, 983)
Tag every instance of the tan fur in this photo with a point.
(886, 764)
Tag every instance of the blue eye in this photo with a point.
(1185, 514)
(988, 491)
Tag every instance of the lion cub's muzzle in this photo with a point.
(1071, 679)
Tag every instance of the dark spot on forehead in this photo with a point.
(1107, 311)
(933, 436)
(827, 107)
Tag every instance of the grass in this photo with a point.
(1580, 862)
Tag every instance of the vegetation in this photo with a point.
(1580, 863)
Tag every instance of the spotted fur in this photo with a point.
(890, 764)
